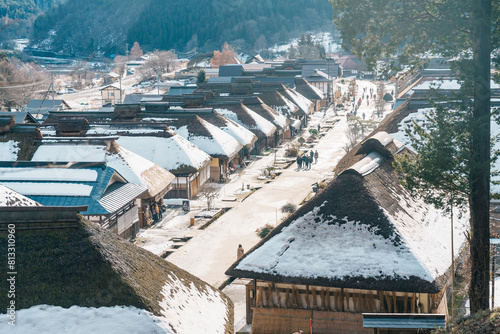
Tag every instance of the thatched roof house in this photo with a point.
(361, 245)
(64, 260)
(264, 129)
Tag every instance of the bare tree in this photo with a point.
(210, 192)
(20, 82)
(162, 61)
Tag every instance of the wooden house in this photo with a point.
(111, 201)
(362, 246)
(147, 135)
(132, 167)
(111, 95)
(67, 261)
(280, 121)
(310, 92)
(236, 111)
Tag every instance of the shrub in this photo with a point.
(291, 151)
(288, 208)
(264, 231)
(301, 140)
(387, 97)
(313, 132)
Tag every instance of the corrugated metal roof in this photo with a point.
(179, 90)
(403, 320)
(104, 176)
(118, 195)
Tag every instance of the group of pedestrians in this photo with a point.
(305, 161)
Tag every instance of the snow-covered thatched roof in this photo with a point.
(9, 197)
(78, 265)
(364, 231)
(248, 118)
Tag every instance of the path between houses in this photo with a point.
(212, 251)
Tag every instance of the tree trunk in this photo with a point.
(480, 169)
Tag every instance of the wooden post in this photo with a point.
(342, 297)
(413, 301)
(381, 298)
(394, 302)
(406, 303)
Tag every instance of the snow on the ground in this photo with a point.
(8, 197)
(84, 320)
(323, 38)
(9, 150)
(195, 310)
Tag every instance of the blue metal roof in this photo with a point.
(403, 320)
(104, 175)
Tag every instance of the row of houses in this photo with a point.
(158, 146)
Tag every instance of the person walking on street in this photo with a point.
(316, 156)
(240, 252)
(299, 162)
(311, 158)
(305, 159)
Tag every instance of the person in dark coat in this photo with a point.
(305, 158)
(316, 156)
(311, 157)
(299, 162)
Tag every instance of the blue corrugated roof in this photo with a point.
(403, 320)
(104, 175)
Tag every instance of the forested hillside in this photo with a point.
(107, 25)
(17, 16)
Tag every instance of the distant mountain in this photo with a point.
(106, 26)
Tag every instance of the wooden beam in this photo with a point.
(413, 301)
(406, 303)
(394, 302)
(314, 300)
(389, 303)
(342, 309)
(381, 298)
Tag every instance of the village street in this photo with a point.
(210, 252)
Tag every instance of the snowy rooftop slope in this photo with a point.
(242, 134)
(299, 100)
(446, 85)
(288, 108)
(51, 188)
(217, 143)
(47, 174)
(76, 319)
(361, 232)
(9, 197)
(184, 304)
(175, 154)
(9, 150)
(419, 116)
(132, 167)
